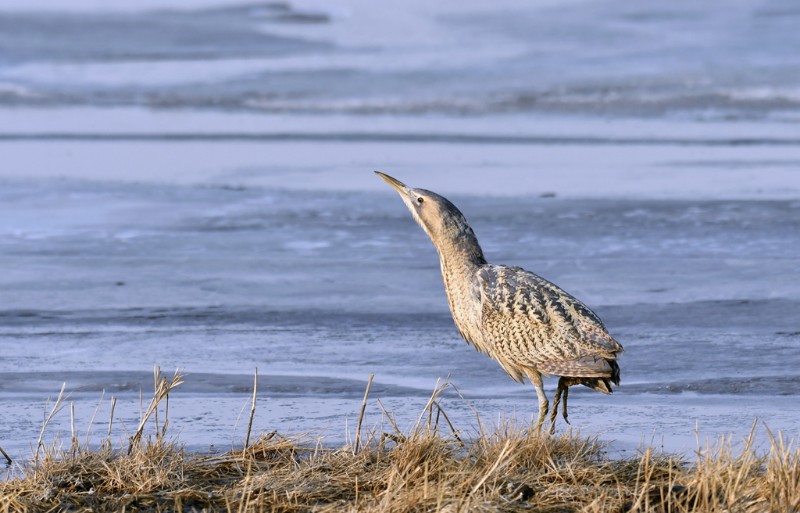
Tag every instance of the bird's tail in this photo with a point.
(602, 384)
(593, 372)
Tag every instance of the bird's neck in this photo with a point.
(460, 260)
(460, 256)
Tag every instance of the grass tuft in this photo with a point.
(506, 468)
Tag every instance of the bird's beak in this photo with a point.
(395, 183)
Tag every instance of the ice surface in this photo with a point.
(200, 196)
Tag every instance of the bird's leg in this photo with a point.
(563, 389)
(536, 379)
(554, 413)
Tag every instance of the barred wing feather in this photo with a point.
(532, 323)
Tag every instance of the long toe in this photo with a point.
(564, 408)
(556, 400)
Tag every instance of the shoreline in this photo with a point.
(431, 465)
(329, 418)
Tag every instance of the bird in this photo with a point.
(529, 325)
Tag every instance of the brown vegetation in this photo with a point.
(426, 469)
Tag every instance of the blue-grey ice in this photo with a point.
(196, 192)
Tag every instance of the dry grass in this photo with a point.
(424, 469)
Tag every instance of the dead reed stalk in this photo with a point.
(361, 415)
(252, 409)
(49, 417)
(6, 456)
(161, 390)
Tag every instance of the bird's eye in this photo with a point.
(420, 199)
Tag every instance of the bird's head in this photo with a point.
(440, 219)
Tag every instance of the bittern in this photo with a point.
(529, 325)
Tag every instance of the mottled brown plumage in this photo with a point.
(529, 325)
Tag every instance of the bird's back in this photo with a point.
(528, 323)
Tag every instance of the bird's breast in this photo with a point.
(463, 297)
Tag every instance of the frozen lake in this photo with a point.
(211, 207)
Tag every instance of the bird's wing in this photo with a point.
(535, 323)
